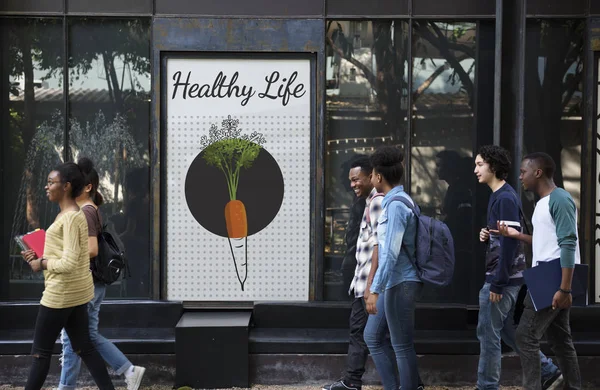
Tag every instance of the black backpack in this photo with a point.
(110, 263)
(435, 248)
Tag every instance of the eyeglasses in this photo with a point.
(50, 182)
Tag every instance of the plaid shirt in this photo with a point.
(367, 239)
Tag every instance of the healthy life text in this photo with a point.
(276, 87)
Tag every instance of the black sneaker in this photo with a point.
(554, 382)
(342, 385)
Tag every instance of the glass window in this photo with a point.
(32, 139)
(442, 140)
(554, 99)
(109, 99)
(596, 252)
(367, 97)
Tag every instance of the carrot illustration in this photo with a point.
(235, 219)
(230, 151)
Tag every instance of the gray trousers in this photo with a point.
(555, 325)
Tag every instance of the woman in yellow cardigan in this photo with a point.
(68, 282)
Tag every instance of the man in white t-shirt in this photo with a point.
(554, 236)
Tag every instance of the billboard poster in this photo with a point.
(237, 156)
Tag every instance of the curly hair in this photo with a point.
(387, 161)
(498, 159)
(364, 163)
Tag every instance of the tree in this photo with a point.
(106, 41)
(449, 48)
(30, 43)
(390, 49)
(37, 44)
(554, 72)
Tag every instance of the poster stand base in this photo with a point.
(211, 349)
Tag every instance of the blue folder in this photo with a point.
(543, 281)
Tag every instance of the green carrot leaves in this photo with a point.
(230, 151)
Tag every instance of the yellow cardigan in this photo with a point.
(68, 280)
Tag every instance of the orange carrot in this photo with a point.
(235, 219)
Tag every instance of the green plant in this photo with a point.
(230, 151)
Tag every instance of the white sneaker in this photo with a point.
(556, 384)
(134, 379)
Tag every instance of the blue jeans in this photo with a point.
(396, 312)
(71, 362)
(495, 323)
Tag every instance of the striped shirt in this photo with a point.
(68, 280)
(367, 239)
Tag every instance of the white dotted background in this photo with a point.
(199, 263)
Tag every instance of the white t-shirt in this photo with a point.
(554, 226)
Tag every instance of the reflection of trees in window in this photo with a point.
(367, 98)
(553, 101)
(30, 49)
(387, 78)
(451, 42)
(106, 42)
(109, 70)
(390, 51)
(109, 83)
(443, 64)
(33, 46)
(367, 94)
(110, 60)
(443, 100)
(442, 179)
(367, 102)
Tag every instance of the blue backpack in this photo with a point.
(435, 248)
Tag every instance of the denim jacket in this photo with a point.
(396, 234)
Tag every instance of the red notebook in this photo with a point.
(35, 241)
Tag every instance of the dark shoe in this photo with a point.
(420, 387)
(554, 382)
(342, 385)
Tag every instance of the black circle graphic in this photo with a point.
(260, 189)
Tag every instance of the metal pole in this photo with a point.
(498, 72)
(409, 124)
(518, 83)
(67, 150)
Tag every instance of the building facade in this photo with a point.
(438, 78)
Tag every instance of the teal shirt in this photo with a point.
(564, 213)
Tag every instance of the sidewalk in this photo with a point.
(260, 387)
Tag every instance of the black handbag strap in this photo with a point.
(99, 226)
(100, 237)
